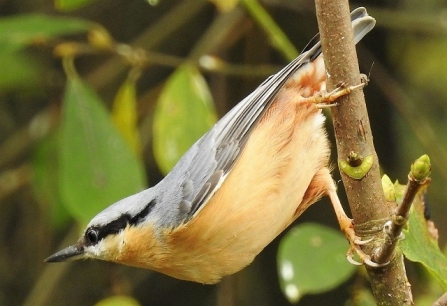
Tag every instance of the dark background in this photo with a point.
(406, 103)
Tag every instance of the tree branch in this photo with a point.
(417, 178)
(354, 137)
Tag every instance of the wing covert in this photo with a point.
(201, 171)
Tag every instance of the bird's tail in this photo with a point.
(311, 77)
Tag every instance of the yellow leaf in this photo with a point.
(224, 5)
(118, 300)
(125, 115)
(184, 112)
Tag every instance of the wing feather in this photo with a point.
(201, 171)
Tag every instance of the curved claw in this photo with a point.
(355, 243)
(373, 264)
(358, 241)
(352, 261)
(365, 259)
(347, 226)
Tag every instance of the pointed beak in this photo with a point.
(73, 252)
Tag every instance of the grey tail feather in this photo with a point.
(362, 23)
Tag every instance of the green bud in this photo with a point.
(421, 168)
(388, 189)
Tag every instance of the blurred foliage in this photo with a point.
(183, 114)
(45, 180)
(77, 136)
(68, 5)
(125, 115)
(320, 266)
(118, 300)
(20, 31)
(96, 166)
(421, 240)
(19, 71)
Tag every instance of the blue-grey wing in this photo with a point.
(200, 172)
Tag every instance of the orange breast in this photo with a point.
(260, 197)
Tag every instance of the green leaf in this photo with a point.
(277, 37)
(183, 114)
(97, 168)
(125, 115)
(118, 300)
(45, 180)
(69, 5)
(405, 51)
(225, 6)
(312, 259)
(19, 71)
(420, 246)
(19, 31)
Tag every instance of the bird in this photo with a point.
(238, 187)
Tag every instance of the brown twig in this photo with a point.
(365, 195)
(416, 179)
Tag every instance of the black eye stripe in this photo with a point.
(117, 225)
(143, 214)
(108, 229)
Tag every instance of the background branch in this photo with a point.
(353, 134)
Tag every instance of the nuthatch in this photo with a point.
(237, 187)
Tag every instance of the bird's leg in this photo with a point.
(325, 99)
(347, 227)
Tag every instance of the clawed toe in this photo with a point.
(352, 261)
(365, 259)
(326, 99)
(359, 241)
(325, 105)
(347, 227)
(355, 243)
(373, 264)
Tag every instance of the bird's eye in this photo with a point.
(91, 236)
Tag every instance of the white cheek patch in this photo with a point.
(94, 251)
(108, 247)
